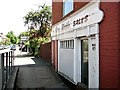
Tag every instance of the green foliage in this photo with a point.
(34, 44)
(40, 19)
(5, 42)
(27, 43)
(12, 38)
(26, 33)
(18, 40)
(40, 28)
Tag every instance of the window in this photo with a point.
(67, 44)
(67, 6)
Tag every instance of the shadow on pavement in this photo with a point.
(40, 61)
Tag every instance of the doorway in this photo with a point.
(84, 61)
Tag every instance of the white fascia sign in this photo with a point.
(90, 14)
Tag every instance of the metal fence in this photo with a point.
(6, 66)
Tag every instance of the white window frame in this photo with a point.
(64, 1)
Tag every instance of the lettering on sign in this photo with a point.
(80, 20)
(65, 25)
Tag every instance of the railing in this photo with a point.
(6, 66)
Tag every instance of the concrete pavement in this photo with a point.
(35, 73)
(39, 75)
(21, 58)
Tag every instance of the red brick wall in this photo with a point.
(119, 44)
(109, 46)
(55, 54)
(57, 10)
(45, 51)
(78, 5)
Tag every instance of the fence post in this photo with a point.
(9, 62)
(7, 76)
(0, 71)
(12, 59)
(6, 67)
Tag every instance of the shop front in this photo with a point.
(78, 45)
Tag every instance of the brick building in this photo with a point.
(85, 42)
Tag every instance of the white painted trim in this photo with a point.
(97, 44)
(75, 47)
(94, 16)
(98, 54)
(89, 55)
(78, 11)
(68, 38)
(92, 83)
(58, 55)
(79, 61)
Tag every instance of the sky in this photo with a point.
(13, 11)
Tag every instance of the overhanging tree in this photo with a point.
(39, 20)
(39, 24)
